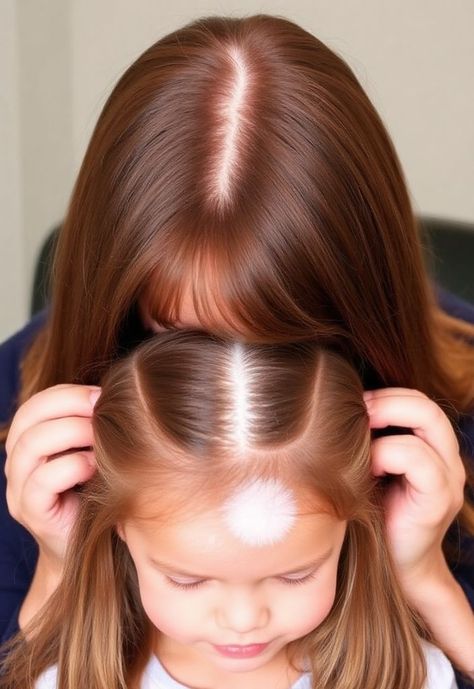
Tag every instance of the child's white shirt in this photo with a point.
(440, 674)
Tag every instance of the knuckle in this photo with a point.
(11, 438)
(459, 503)
(437, 413)
(33, 400)
(8, 446)
(25, 443)
(438, 482)
(456, 498)
(462, 474)
(416, 442)
(36, 482)
(12, 505)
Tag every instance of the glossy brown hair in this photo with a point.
(165, 430)
(240, 161)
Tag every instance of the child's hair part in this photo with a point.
(199, 416)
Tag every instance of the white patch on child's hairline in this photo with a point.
(261, 512)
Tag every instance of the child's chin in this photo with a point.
(235, 665)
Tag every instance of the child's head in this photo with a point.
(234, 505)
(239, 173)
(232, 471)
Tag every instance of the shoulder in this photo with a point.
(11, 353)
(304, 682)
(439, 671)
(19, 340)
(47, 679)
(458, 308)
(455, 306)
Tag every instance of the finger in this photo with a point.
(423, 416)
(389, 392)
(52, 403)
(56, 477)
(407, 456)
(44, 486)
(381, 392)
(44, 440)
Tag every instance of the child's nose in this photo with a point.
(243, 612)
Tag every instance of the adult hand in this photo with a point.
(419, 508)
(48, 453)
(428, 494)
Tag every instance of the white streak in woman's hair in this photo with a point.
(231, 112)
(261, 512)
(240, 421)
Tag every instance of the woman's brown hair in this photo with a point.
(165, 432)
(239, 161)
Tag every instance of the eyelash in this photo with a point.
(187, 587)
(301, 580)
(286, 582)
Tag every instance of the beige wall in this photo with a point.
(12, 289)
(59, 60)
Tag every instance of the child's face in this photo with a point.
(209, 594)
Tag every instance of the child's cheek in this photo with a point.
(307, 611)
(165, 609)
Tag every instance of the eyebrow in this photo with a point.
(312, 564)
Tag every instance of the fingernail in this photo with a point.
(94, 396)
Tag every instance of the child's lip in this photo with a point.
(241, 651)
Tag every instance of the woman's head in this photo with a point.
(239, 168)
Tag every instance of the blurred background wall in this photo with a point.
(59, 60)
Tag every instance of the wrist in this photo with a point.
(429, 582)
(51, 555)
(442, 603)
(46, 578)
(49, 569)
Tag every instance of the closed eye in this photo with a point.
(187, 585)
(298, 580)
(190, 585)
